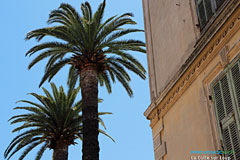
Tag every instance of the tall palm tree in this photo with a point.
(96, 52)
(54, 123)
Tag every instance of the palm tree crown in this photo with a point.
(56, 120)
(87, 41)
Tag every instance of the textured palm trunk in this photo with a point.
(60, 152)
(89, 90)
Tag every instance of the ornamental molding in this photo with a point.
(197, 62)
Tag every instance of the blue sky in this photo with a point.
(127, 125)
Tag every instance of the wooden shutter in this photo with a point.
(231, 141)
(223, 100)
(226, 95)
(224, 103)
(219, 103)
(235, 72)
(227, 141)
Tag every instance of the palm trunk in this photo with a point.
(60, 152)
(89, 90)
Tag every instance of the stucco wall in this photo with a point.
(187, 125)
(171, 33)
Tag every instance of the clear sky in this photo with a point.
(127, 125)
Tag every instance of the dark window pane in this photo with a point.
(208, 7)
(219, 3)
(201, 10)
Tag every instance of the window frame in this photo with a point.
(214, 8)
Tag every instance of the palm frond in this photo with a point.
(28, 149)
(104, 133)
(41, 151)
(51, 72)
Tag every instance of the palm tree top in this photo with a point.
(55, 119)
(86, 42)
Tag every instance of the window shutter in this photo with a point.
(223, 100)
(235, 71)
(235, 140)
(226, 95)
(219, 3)
(201, 12)
(231, 141)
(225, 116)
(227, 141)
(219, 103)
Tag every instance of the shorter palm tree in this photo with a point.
(54, 123)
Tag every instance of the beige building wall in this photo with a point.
(183, 63)
(171, 34)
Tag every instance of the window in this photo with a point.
(226, 92)
(206, 8)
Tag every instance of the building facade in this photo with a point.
(193, 50)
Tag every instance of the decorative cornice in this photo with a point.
(200, 58)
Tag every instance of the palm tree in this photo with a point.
(96, 54)
(54, 123)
